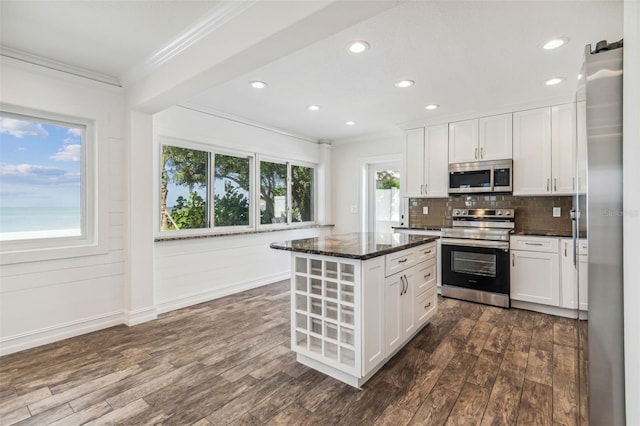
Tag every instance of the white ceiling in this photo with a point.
(470, 57)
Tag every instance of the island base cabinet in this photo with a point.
(349, 316)
(398, 311)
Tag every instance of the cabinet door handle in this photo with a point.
(481, 152)
(403, 260)
(426, 188)
(532, 244)
(513, 259)
(402, 281)
(427, 252)
(555, 184)
(565, 249)
(573, 183)
(427, 276)
(427, 305)
(421, 189)
(548, 183)
(475, 153)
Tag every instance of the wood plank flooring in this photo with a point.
(228, 362)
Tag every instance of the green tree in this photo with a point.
(185, 167)
(232, 208)
(189, 212)
(387, 179)
(273, 183)
(301, 193)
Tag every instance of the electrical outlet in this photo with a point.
(425, 210)
(557, 212)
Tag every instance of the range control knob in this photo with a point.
(456, 212)
(499, 212)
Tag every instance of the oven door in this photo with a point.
(476, 265)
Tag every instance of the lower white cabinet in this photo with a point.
(398, 311)
(535, 275)
(543, 273)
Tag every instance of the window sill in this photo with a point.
(238, 233)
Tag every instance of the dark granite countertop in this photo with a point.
(361, 246)
(543, 233)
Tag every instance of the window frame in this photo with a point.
(289, 163)
(93, 204)
(212, 150)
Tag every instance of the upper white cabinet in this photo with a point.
(544, 143)
(425, 162)
(463, 141)
(483, 139)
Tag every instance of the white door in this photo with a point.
(563, 143)
(383, 209)
(496, 137)
(463, 141)
(414, 154)
(532, 152)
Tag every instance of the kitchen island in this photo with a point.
(357, 299)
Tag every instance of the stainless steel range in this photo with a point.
(475, 256)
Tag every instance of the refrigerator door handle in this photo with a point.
(574, 235)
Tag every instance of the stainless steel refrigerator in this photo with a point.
(598, 204)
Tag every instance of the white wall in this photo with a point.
(195, 270)
(49, 300)
(346, 163)
(631, 177)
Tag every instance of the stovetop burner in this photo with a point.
(481, 224)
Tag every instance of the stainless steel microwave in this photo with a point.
(481, 176)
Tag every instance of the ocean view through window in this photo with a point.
(41, 171)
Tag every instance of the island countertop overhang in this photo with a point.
(356, 245)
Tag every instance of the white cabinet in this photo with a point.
(535, 275)
(583, 275)
(568, 276)
(463, 141)
(496, 137)
(483, 139)
(348, 317)
(410, 296)
(425, 162)
(544, 142)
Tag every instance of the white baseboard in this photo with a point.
(168, 305)
(140, 315)
(31, 339)
(545, 309)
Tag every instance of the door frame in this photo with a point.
(365, 165)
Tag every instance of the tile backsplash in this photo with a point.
(534, 215)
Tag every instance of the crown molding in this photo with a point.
(210, 22)
(241, 120)
(19, 55)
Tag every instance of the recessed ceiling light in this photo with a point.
(555, 43)
(313, 107)
(350, 123)
(258, 84)
(405, 83)
(432, 106)
(358, 46)
(554, 81)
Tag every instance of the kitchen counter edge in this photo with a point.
(366, 256)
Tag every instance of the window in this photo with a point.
(231, 199)
(43, 190)
(183, 188)
(276, 196)
(302, 194)
(204, 189)
(273, 192)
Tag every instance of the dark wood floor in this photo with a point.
(228, 362)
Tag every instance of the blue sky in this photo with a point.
(39, 164)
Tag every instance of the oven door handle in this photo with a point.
(502, 245)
